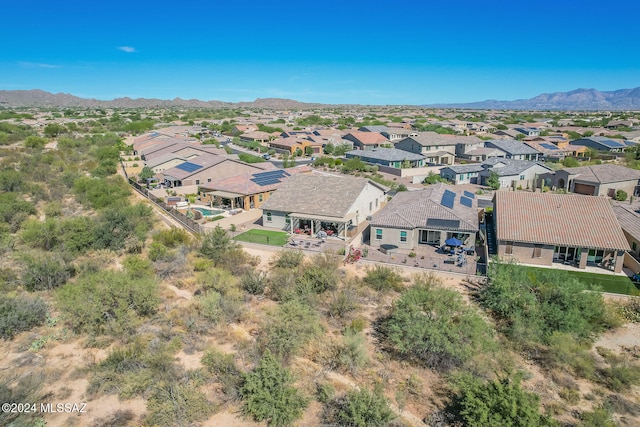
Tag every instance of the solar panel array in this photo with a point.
(465, 201)
(270, 177)
(469, 195)
(548, 146)
(188, 167)
(448, 199)
(447, 224)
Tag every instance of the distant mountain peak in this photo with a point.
(577, 99)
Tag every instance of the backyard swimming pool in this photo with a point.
(209, 212)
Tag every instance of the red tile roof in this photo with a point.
(557, 219)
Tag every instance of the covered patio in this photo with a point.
(229, 200)
(314, 224)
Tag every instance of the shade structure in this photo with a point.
(453, 242)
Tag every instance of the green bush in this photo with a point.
(216, 244)
(268, 394)
(174, 404)
(173, 237)
(107, 302)
(435, 327)
(20, 313)
(223, 370)
(45, 271)
(359, 408)
(531, 305)
(500, 403)
(220, 308)
(288, 328)
(253, 282)
(599, 417)
(288, 259)
(382, 278)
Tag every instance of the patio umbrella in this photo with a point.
(453, 242)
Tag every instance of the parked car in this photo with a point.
(266, 156)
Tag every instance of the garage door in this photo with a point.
(584, 189)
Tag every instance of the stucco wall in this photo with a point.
(523, 252)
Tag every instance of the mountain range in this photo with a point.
(579, 99)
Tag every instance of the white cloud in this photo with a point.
(127, 49)
(37, 65)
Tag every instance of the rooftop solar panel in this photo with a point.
(278, 173)
(448, 224)
(465, 201)
(549, 146)
(448, 200)
(469, 195)
(188, 167)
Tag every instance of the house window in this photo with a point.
(287, 220)
(521, 177)
(260, 197)
(537, 251)
(376, 203)
(403, 236)
(268, 216)
(378, 233)
(208, 179)
(634, 246)
(197, 182)
(508, 248)
(370, 206)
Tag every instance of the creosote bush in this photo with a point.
(382, 278)
(20, 313)
(359, 408)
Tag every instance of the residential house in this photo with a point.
(507, 133)
(248, 190)
(293, 145)
(601, 143)
(426, 217)
(513, 173)
(516, 150)
(615, 124)
(527, 131)
(206, 168)
(629, 220)
(597, 180)
(462, 174)
(244, 128)
(318, 201)
(259, 136)
(438, 149)
(391, 157)
(397, 133)
(366, 140)
(547, 228)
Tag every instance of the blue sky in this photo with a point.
(373, 52)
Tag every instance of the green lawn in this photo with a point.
(603, 282)
(265, 237)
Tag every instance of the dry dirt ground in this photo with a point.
(62, 362)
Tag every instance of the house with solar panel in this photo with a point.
(309, 203)
(426, 217)
(597, 180)
(513, 149)
(601, 143)
(248, 190)
(204, 169)
(514, 173)
(391, 157)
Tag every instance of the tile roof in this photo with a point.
(476, 167)
(244, 185)
(413, 209)
(603, 174)
(387, 154)
(426, 139)
(629, 220)
(557, 219)
(511, 166)
(378, 129)
(317, 194)
(511, 147)
(601, 140)
(368, 138)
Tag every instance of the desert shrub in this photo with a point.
(217, 279)
(382, 278)
(117, 419)
(157, 252)
(351, 354)
(599, 417)
(14, 211)
(343, 302)
(325, 392)
(502, 402)
(281, 284)
(621, 373)
(107, 302)
(318, 279)
(566, 352)
(223, 370)
(253, 282)
(359, 408)
(77, 234)
(137, 267)
(287, 259)
(435, 327)
(101, 193)
(173, 404)
(172, 237)
(20, 313)
(45, 271)
(268, 394)
(16, 388)
(216, 244)
(530, 306)
(217, 308)
(41, 234)
(117, 226)
(288, 328)
(135, 369)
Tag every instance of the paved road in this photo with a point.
(236, 149)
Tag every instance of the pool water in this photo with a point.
(209, 212)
